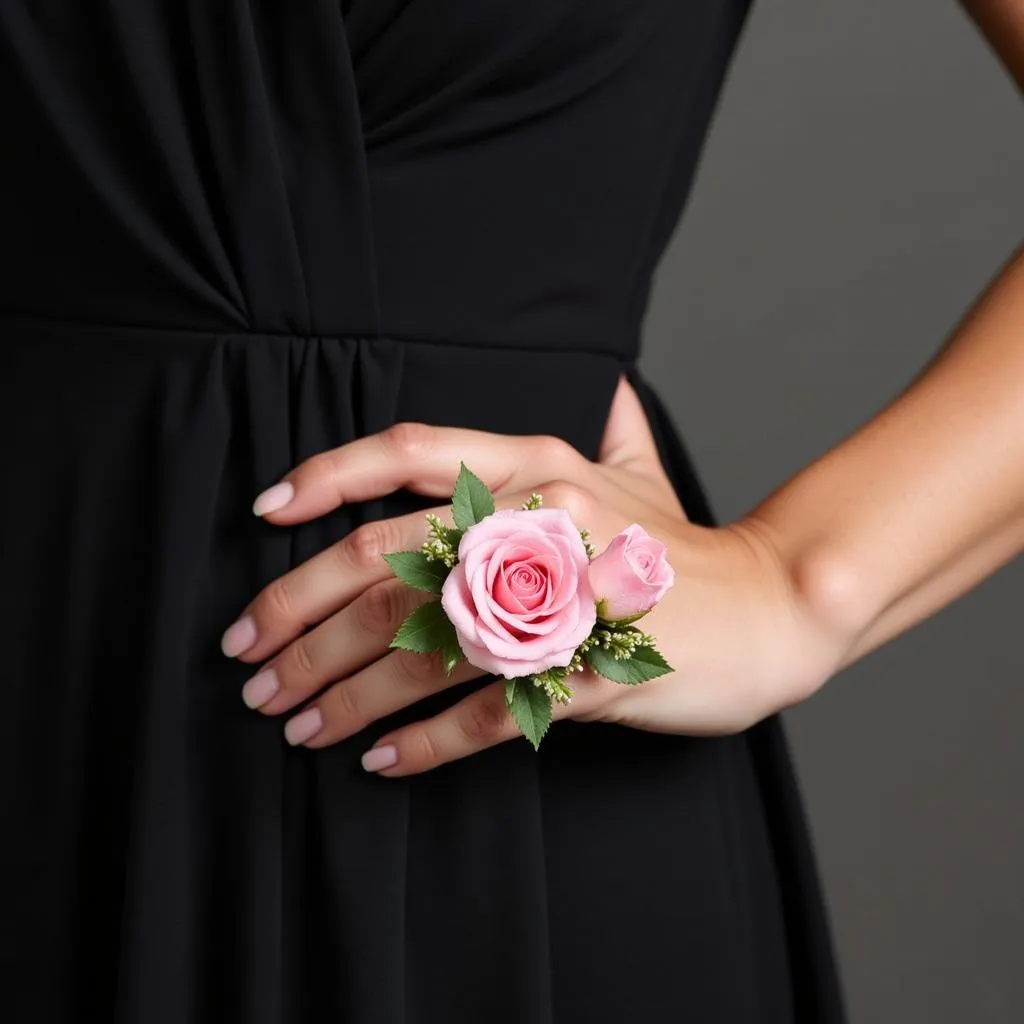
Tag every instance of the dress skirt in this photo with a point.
(169, 859)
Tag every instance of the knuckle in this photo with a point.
(366, 546)
(416, 670)
(421, 749)
(408, 440)
(570, 496)
(484, 721)
(345, 704)
(278, 600)
(379, 609)
(553, 451)
(431, 666)
(302, 664)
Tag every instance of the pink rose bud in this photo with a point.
(519, 596)
(630, 576)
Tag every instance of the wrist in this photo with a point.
(826, 605)
(822, 586)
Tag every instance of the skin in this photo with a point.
(850, 552)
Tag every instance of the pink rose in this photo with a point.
(519, 595)
(630, 576)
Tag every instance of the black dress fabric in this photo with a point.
(238, 232)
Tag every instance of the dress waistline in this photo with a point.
(52, 327)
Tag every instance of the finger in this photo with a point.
(388, 685)
(627, 434)
(336, 576)
(381, 686)
(358, 632)
(421, 458)
(323, 584)
(346, 642)
(628, 445)
(475, 723)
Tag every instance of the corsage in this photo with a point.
(523, 594)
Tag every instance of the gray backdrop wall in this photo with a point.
(863, 180)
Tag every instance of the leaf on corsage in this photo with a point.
(417, 570)
(471, 501)
(643, 664)
(530, 707)
(428, 629)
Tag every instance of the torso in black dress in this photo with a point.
(238, 232)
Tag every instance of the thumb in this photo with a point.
(627, 434)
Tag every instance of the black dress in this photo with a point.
(239, 232)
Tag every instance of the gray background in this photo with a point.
(863, 180)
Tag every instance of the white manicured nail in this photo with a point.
(380, 757)
(273, 498)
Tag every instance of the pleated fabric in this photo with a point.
(237, 234)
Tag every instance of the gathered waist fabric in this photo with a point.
(52, 327)
(265, 402)
(292, 395)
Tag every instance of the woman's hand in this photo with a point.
(734, 627)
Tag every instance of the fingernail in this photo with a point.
(303, 726)
(380, 757)
(273, 498)
(258, 690)
(239, 637)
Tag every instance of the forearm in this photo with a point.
(925, 500)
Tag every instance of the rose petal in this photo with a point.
(487, 621)
(457, 602)
(522, 598)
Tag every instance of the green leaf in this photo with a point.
(471, 501)
(531, 709)
(451, 652)
(415, 569)
(426, 629)
(453, 535)
(645, 663)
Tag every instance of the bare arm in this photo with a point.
(927, 499)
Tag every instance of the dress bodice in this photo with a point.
(478, 171)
